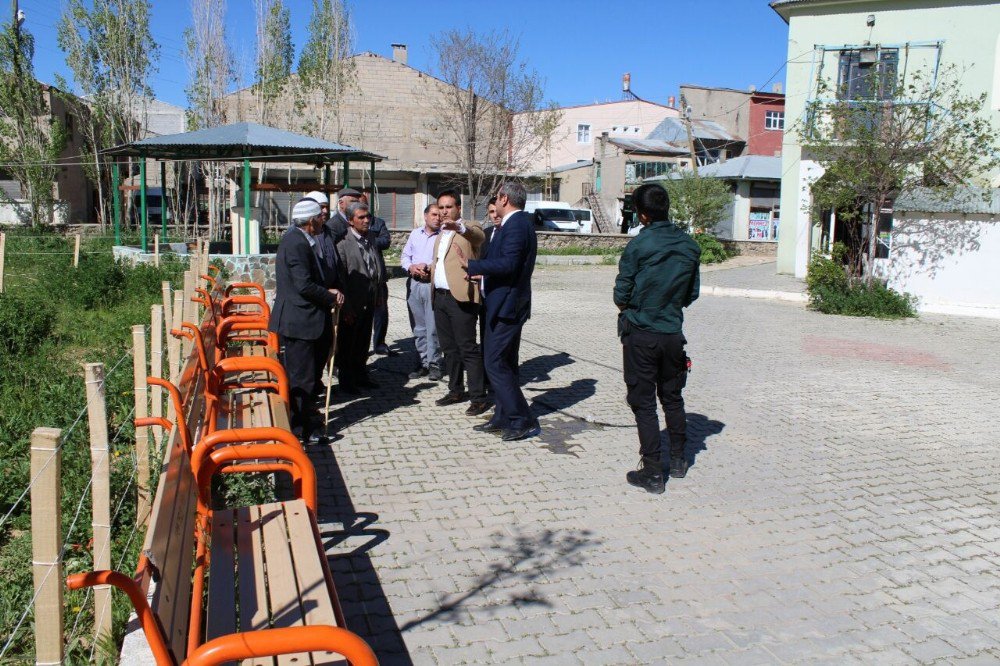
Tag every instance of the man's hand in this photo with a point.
(448, 225)
(338, 295)
(418, 270)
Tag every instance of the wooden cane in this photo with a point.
(329, 370)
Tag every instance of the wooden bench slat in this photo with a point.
(286, 611)
(316, 591)
(221, 614)
(279, 412)
(252, 585)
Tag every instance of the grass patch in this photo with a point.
(577, 251)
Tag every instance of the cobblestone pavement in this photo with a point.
(842, 505)
(755, 276)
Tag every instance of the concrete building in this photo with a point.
(756, 117)
(838, 36)
(390, 110)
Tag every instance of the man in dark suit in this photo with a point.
(301, 313)
(331, 272)
(360, 275)
(338, 222)
(380, 325)
(506, 274)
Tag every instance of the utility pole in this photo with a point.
(687, 123)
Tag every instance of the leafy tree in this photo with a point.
(30, 139)
(326, 70)
(477, 112)
(698, 203)
(275, 54)
(918, 133)
(112, 55)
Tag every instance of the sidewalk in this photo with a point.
(751, 277)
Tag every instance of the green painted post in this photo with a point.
(347, 173)
(163, 203)
(326, 175)
(116, 197)
(246, 206)
(142, 202)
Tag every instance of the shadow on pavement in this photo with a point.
(367, 611)
(520, 561)
(699, 429)
(537, 369)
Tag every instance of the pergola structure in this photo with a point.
(239, 142)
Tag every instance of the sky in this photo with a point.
(581, 48)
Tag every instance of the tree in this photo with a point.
(698, 203)
(490, 115)
(30, 139)
(211, 72)
(112, 54)
(919, 132)
(326, 70)
(275, 54)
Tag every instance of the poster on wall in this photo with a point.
(760, 225)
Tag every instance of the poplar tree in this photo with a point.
(326, 70)
(275, 55)
(30, 139)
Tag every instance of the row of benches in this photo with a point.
(251, 583)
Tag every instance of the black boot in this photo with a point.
(678, 467)
(649, 476)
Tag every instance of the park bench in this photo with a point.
(251, 584)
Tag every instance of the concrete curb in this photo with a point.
(766, 294)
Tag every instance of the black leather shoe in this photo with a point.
(649, 477)
(512, 434)
(422, 371)
(477, 408)
(451, 399)
(678, 468)
(350, 389)
(315, 438)
(382, 350)
(489, 426)
(434, 374)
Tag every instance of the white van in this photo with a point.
(553, 216)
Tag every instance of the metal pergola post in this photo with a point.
(116, 197)
(347, 173)
(246, 206)
(142, 202)
(163, 203)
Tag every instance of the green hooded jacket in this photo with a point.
(657, 278)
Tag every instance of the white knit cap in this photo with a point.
(305, 209)
(319, 197)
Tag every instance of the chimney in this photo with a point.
(778, 88)
(399, 53)
(671, 101)
(626, 82)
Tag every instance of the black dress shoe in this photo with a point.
(350, 389)
(477, 408)
(678, 468)
(382, 350)
(434, 373)
(489, 426)
(451, 399)
(511, 434)
(315, 438)
(422, 371)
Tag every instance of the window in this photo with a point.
(867, 74)
(774, 120)
(637, 171)
(583, 133)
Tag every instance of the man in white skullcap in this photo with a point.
(301, 314)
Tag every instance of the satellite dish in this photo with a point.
(20, 17)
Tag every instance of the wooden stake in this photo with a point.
(100, 470)
(139, 370)
(189, 307)
(3, 245)
(175, 348)
(156, 250)
(46, 544)
(168, 309)
(76, 251)
(156, 367)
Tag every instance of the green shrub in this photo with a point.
(99, 281)
(832, 291)
(712, 249)
(24, 325)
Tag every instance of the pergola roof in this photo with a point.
(241, 141)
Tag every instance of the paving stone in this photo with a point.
(843, 504)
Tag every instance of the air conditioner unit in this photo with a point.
(869, 56)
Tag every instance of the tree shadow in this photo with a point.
(922, 245)
(521, 560)
(367, 611)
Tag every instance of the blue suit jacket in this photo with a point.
(506, 268)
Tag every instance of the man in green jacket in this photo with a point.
(657, 278)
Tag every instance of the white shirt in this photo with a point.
(440, 275)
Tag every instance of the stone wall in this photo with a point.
(549, 240)
(753, 248)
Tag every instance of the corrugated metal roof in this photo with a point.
(648, 146)
(672, 130)
(747, 167)
(241, 140)
(968, 200)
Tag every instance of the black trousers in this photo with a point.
(656, 366)
(323, 349)
(380, 320)
(300, 359)
(456, 330)
(352, 348)
(503, 344)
